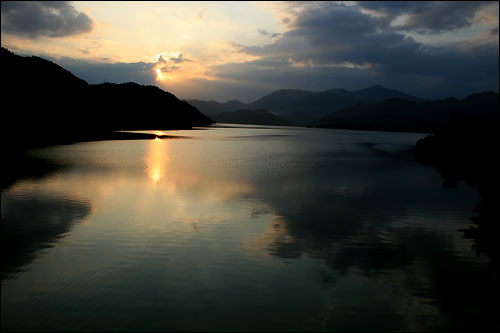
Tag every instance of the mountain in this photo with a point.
(377, 93)
(301, 107)
(316, 105)
(211, 108)
(281, 101)
(44, 103)
(134, 106)
(304, 106)
(407, 116)
(483, 104)
(250, 117)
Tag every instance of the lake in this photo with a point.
(248, 228)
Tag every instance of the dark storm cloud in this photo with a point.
(336, 34)
(43, 18)
(330, 45)
(429, 16)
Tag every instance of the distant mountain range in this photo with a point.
(250, 117)
(302, 107)
(406, 116)
(211, 108)
(44, 103)
(373, 108)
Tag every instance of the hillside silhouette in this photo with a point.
(133, 106)
(407, 116)
(250, 117)
(211, 108)
(466, 149)
(45, 104)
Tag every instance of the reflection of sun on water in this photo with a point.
(187, 173)
(156, 159)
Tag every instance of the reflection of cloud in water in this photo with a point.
(385, 220)
(33, 221)
(161, 185)
(363, 217)
(274, 240)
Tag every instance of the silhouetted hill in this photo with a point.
(315, 105)
(250, 117)
(281, 101)
(467, 149)
(133, 106)
(302, 107)
(406, 116)
(35, 72)
(483, 104)
(43, 103)
(211, 108)
(377, 93)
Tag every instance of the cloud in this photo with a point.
(264, 32)
(116, 72)
(171, 57)
(34, 19)
(427, 16)
(169, 62)
(330, 45)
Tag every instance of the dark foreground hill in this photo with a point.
(407, 116)
(133, 106)
(467, 150)
(42, 103)
(250, 117)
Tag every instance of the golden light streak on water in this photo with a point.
(157, 159)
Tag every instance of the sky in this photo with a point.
(244, 50)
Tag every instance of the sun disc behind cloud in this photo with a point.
(159, 75)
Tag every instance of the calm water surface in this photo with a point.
(250, 228)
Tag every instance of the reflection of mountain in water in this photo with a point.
(362, 211)
(32, 223)
(373, 216)
(19, 166)
(468, 150)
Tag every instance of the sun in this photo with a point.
(159, 75)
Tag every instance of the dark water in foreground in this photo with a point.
(249, 228)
